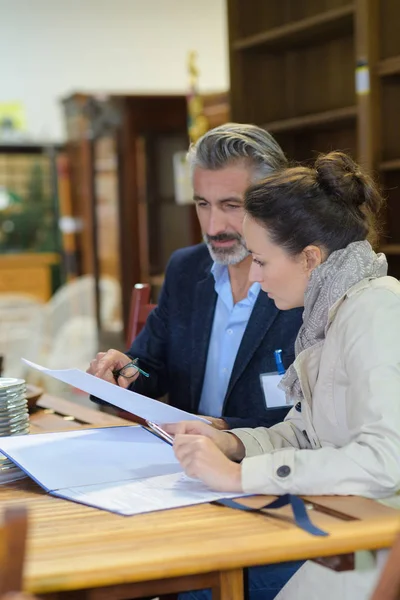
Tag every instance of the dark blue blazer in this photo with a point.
(173, 345)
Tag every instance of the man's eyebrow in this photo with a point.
(232, 199)
(198, 198)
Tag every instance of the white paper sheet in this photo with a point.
(90, 456)
(145, 495)
(144, 407)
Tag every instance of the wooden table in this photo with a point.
(100, 555)
(56, 414)
(75, 551)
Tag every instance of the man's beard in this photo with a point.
(227, 256)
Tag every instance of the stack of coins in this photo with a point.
(14, 420)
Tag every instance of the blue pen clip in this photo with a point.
(278, 361)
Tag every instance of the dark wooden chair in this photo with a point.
(13, 542)
(140, 309)
(388, 587)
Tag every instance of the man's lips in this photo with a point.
(224, 243)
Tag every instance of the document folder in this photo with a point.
(125, 470)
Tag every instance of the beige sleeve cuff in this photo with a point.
(252, 442)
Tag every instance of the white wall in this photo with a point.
(50, 48)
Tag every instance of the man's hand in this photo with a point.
(106, 362)
(202, 459)
(229, 444)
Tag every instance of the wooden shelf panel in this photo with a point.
(328, 117)
(389, 66)
(334, 22)
(390, 249)
(29, 148)
(390, 165)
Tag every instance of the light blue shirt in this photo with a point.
(230, 321)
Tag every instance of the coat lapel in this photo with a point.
(202, 320)
(263, 315)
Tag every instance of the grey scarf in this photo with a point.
(328, 283)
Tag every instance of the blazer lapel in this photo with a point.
(202, 320)
(263, 315)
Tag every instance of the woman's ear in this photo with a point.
(313, 257)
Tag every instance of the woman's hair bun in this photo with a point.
(341, 179)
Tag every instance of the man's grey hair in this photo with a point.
(236, 142)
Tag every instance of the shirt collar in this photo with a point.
(221, 275)
(219, 271)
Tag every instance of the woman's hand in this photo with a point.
(202, 459)
(204, 454)
(229, 444)
(216, 422)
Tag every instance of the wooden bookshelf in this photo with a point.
(390, 249)
(293, 68)
(390, 165)
(389, 66)
(387, 139)
(327, 118)
(326, 24)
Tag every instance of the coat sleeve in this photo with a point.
(287, 434)
(269, 419)
(277, 459)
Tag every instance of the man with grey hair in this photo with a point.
(212, 337)
(253, 154)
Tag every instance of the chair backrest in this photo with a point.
(13, 541)
(140, 309)
(21, 322)
(75, 298)
(388, 587)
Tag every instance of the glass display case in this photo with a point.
(29, 233)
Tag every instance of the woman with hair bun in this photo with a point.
(310, 232)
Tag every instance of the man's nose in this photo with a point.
(216, 223)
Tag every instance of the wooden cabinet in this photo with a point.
(29, 274)
(121, 150)
(323, 75)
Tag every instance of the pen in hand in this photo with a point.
(154, 429)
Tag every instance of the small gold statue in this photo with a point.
(198, 123)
